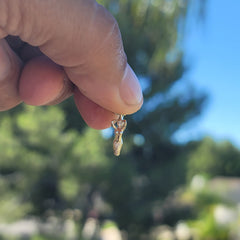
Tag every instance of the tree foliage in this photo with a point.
(45, 165)
(214, 159)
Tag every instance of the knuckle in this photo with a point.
(106, 46)
(8, 23)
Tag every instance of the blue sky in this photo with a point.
(213, 52)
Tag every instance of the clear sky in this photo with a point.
(213, 51)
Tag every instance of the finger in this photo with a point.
(9, 73)
(43, 82)
(93, 114)
(84, 38)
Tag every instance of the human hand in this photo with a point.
(81, 54)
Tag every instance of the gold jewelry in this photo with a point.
(119, 126)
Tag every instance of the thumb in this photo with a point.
(85, 39)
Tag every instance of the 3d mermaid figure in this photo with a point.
(119, 126)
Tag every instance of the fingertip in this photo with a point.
(94, 115)
(130, 89)
(41, 81)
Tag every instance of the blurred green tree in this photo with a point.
(213, 158)
(46, 167)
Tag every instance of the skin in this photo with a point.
(81, 53)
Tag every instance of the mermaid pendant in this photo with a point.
(119, 126)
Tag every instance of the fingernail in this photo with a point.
(4, 63)
(130, 89)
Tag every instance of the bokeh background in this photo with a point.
(178, 175)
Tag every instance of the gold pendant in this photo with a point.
(119, 126)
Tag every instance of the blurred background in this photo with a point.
(178, 175)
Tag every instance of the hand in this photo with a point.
(81, 54)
